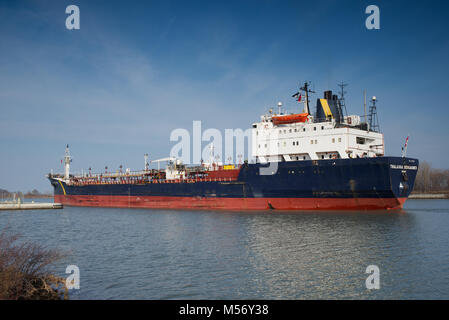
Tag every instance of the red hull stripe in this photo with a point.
(231, 203)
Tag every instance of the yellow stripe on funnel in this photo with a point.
(326, 108)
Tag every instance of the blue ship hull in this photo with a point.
(362, 183)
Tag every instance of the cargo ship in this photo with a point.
(301, 161)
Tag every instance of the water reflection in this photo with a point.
(163, 254)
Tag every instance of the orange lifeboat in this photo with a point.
(290, 118)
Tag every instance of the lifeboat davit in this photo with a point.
(290, 118)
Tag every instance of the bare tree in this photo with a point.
(25, 271)
(430, 179)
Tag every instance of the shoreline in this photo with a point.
(30, 196)
(441, 195)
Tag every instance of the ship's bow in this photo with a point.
(402, 177)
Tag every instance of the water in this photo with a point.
(163, 254)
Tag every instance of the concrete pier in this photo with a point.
(30, 206)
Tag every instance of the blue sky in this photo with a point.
(136, 70)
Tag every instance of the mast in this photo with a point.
(146, 161)
(211, 147)
(342, 86)
(372, 118)
(67, 160)
(306, 90)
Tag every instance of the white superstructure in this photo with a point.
(310, 139)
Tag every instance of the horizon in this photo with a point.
(115, 89)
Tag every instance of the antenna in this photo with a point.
(364, 103)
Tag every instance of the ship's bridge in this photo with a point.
(327, 135)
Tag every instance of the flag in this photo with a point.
(404, 148)
(298, 96)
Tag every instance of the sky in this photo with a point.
(136, 70)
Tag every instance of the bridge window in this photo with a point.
(314, 128)
(339, 139)
(360, 140)
(304, 129)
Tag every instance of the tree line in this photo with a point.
(5, 194)
(431, 179)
